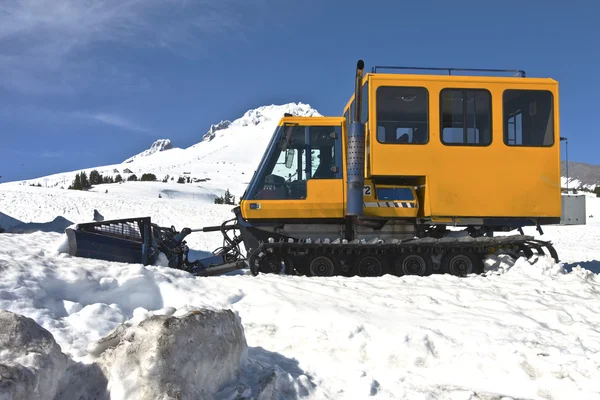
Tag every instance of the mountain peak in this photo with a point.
(210, 135)
(159, 145)
(275, 112)
(260, 115)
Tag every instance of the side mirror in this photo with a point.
(289, 158)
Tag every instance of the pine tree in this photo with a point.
(85, 183)
(227, 198)
(148, 177)
(95, 178)
(76, 185)
(118, 178)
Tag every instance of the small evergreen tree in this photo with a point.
(95, 178)
(227, 198)
(118, 178)
(132, 177)
(148, 177)
(181, 179)
(85, 183)
(597, 191)
(76, 185)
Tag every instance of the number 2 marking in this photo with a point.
(367, 190)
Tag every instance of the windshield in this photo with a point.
(299, 153)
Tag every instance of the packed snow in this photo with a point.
(524, 330)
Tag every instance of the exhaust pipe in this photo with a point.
(355, 152)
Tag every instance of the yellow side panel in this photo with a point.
(325, 199)
(495, 180)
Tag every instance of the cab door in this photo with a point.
(302, 175)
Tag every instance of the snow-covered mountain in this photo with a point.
(225, 158)
(581, 175)
(159, 145)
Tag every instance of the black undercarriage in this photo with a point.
(430, 251)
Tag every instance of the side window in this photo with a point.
(402, 115)
(325, 149)
(466, 117)
(528, 118)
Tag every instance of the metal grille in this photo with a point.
(125, 228)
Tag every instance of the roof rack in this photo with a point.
(518, 71)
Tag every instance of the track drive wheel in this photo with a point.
(270, 264)
(323, 265)
(413, 264)
(461, 263)
(371, 265)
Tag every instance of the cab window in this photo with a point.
(402, 115)
(528, 118)
(466, 117)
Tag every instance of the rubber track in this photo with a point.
(479, 245)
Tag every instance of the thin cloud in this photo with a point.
(119, 122)
(50, 45)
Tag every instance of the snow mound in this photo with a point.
(58, 225)
(32, 364)
(193, 356)
(7, 222)
(159, 145)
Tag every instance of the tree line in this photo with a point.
(83, 182)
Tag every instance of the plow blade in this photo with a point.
(139, 241)
(123, 240)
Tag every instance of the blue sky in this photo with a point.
(92, 83)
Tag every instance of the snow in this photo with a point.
(207, 348)
(523, 330)
(574, 183)
(31, 362)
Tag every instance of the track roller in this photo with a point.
(413, 264)
(371, 265)
(323, 265)
(461, 263)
